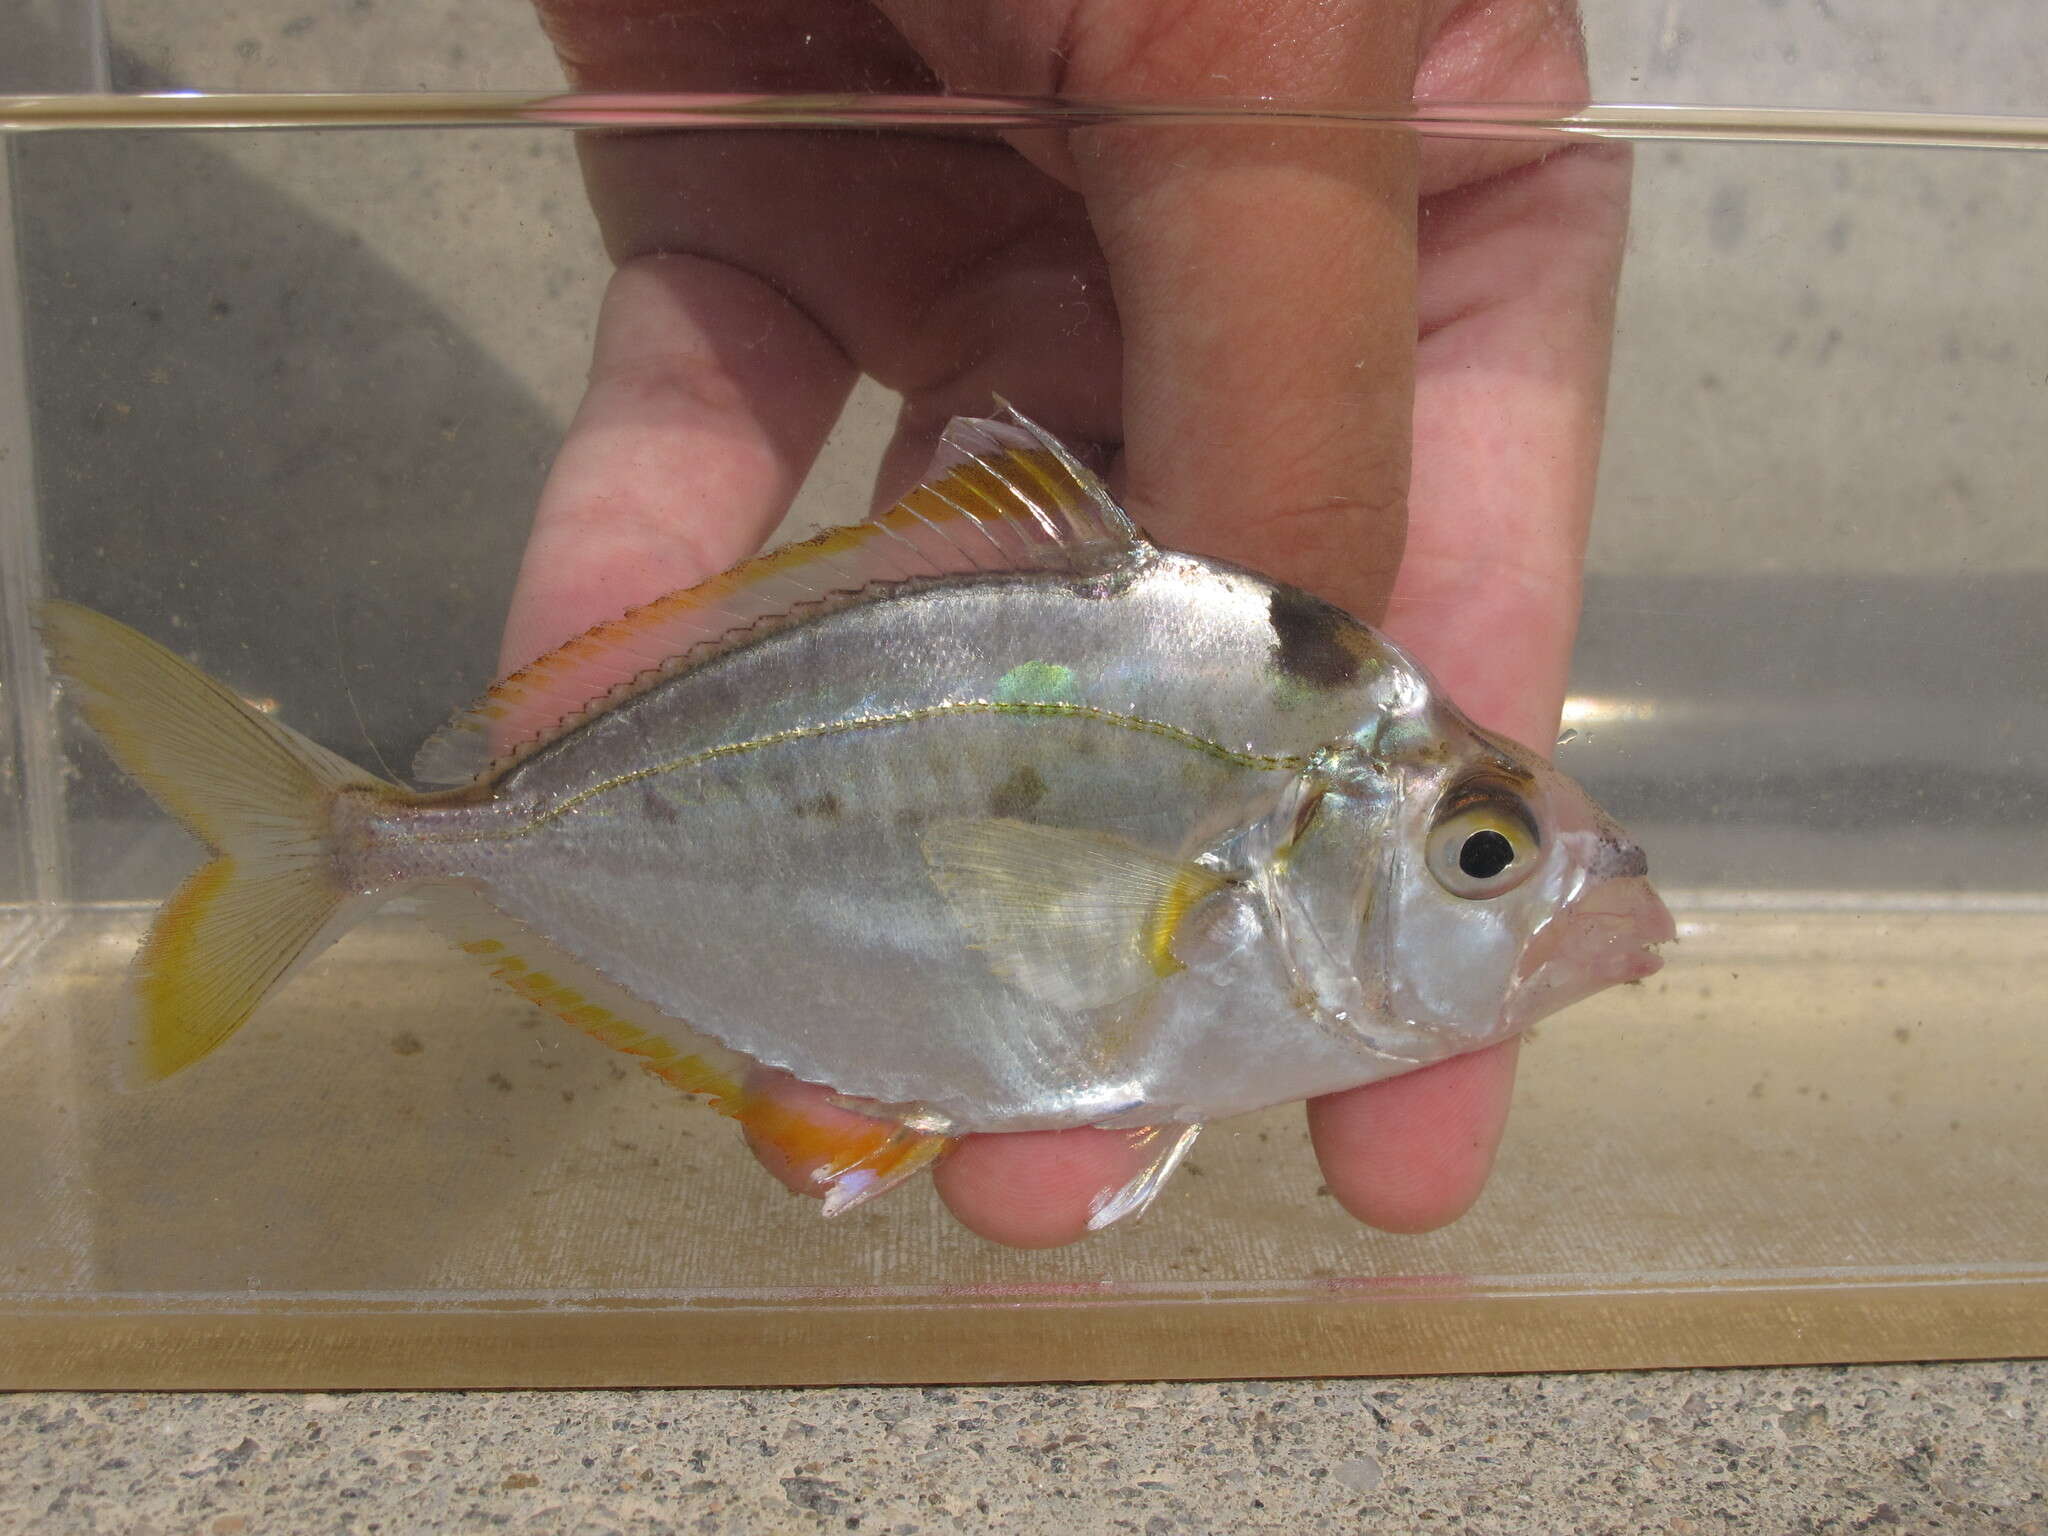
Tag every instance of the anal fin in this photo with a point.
(852, 1157)
(553, 981)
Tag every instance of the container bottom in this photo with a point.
(1819, 1135)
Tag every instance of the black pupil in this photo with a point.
(1485, 854)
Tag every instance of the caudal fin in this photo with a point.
(260, 795)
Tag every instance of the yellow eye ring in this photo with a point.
(1481, 848)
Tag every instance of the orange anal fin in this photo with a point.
(691, 1073)
(803, 1133)
(816, 1146)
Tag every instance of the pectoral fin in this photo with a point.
(1078, 919)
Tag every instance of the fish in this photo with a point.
(986, 814)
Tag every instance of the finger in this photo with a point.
(710, 395)
(1529, 52)
(1036, 1189)
(1263, 284)
(1517, 305)
(1413, 1152)
(1518, 315)
(1265, 291)
(1263, 276)
(730, 45)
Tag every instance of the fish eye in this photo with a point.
(1484, 843)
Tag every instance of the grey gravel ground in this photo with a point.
(1921, 1448)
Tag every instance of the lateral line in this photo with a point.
(963, 708)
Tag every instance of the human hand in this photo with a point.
(1234, 308)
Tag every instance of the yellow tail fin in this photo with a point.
(259, 794)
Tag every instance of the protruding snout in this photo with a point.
(1603, 938)
(1610, 920)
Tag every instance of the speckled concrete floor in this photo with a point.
(1913, 1448)
(1956, 1448)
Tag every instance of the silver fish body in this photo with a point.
(988, 814)
(743, 846)
(747, 846)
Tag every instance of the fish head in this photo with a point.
(1441, 888)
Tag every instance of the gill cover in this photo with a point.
(1333, 852)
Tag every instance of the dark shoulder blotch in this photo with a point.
(1313, 643)
(1018, 794)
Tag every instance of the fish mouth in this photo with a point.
(1606, 937)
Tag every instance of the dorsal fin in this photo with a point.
(1000, 497)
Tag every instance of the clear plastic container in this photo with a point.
(285, 399)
